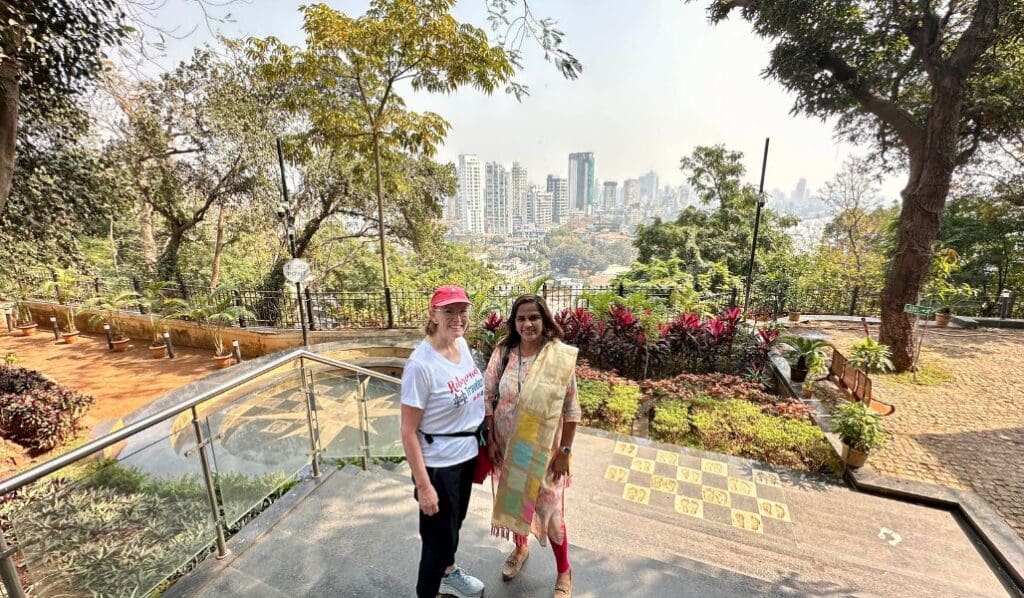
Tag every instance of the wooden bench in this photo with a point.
(855, 383)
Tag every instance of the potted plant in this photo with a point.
(860, 430)
(23, 319)
(64, 284)
(871, 356)
(214, 313)
(158, 308)
(794, 313)
(111, 306)
(806, 352)
(942, 290)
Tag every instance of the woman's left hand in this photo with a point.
(560, 466)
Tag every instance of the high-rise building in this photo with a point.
(539, 207)
(800, 193)
(582, 182)
(609, 195)
(471, 194)
(649, 187)
(497, 204)
(630, 192)
(559, 190)
(520, 185)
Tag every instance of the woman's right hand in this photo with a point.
(428, 499)
(494, 452)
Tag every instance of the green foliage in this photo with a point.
(214, 312)
(112, 305)
(870, 356)
(123, 531)
(569, 254)
(65, 286)
(743, 429)
(10, 358)
(671, 422)
(858, 426)
(610, 404)
(159, 307)
(714, 245)
(940, 287)
(37, 412)
(805, 349)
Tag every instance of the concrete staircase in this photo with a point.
(353, 533)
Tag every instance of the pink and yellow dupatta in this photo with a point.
(528, 451)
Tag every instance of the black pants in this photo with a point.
(440, 532)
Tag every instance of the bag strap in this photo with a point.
(501, 372)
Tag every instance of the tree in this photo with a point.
(49, 51)
(353, 68)
(859, 229)
(700, 238)
(927, 81)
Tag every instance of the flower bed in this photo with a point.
(35, 411)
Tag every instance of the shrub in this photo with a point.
(623, 405)
(715, 386)
(871, 356)
(741, 428)
(671, 421)
(858, 426)
(37, 412)
(608, 401)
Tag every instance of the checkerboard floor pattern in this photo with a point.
(744, 497)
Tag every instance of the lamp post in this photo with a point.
(284, 213)
(757, 226)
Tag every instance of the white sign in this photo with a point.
(296, 270)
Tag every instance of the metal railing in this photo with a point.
(228, 449)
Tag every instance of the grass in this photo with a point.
(928, 374)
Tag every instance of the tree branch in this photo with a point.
(978, 37)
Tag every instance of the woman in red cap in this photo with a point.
(442, 412)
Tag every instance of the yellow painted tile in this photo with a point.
(715, 496)
(775, 510)
(767, 478)
(663, 484)
(636, 494)
(688, 475)
(616, 474)
(667, 457)
(625, 448)
(689, 506)
(714, 467)
(748, 521)
(643, 465)
(742, 487)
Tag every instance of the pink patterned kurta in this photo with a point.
(548, 518)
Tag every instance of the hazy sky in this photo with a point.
(657, 80)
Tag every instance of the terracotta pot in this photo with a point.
(70, 337)
(158, 351)
(808, 392)
(223, 361)
(121, 345)
(853, 457)
(27, 329)
(794, 316)
(943, 319)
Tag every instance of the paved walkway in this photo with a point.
(967, 432)
(644, 520)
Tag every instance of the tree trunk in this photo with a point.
(924, 199)
(218, 247)
(167, 267)
(146, 232)
(10, 95)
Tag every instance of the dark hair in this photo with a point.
(551, 328)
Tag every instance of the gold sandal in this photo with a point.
(513, 565)
(563, 590)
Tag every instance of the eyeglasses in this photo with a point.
(451, 313)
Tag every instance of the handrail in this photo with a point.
(69, 458)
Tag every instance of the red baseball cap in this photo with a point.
(447, 295)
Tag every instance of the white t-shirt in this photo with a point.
(451, 396)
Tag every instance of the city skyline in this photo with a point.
(669, 83)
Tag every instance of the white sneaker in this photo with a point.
(459, 584)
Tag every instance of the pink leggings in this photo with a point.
(561, 550)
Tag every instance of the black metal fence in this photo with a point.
(332, 310)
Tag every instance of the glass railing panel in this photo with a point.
(117, 527)
(260, 441)
(337, 395)
(383, 416)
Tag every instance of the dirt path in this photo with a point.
(120, 382)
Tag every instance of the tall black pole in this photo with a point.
(757, 225)
(289, 223)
